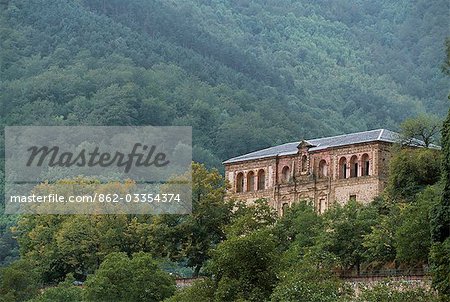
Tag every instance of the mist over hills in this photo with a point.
(245, 74)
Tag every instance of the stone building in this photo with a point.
(322, 171)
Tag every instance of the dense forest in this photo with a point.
(245, 74)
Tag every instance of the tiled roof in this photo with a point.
(381, 135)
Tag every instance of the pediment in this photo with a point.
(304, 145)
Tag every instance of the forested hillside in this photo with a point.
(244, 74)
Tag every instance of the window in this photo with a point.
(240, 182)
(285, 174)
(250, 181)
(323, 169)
(352, 198)
(284, 208)
(261, 180)
(343, 168)
(365, 165)
(304, 163)
(354, 166)
(323, 204)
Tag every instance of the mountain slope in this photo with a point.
(244, 74)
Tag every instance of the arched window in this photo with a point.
(354, 166)
(250, 181)
(323, 204)
(304, 163)
(323, 169)
(365, 164)
(261, 180)
(240, 182)
(284, 208)
(285, 174)
(343, 168)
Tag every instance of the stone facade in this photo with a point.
(322, 176)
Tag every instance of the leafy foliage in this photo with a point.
(441, 215)
(240, 73)
(380, 242)
(18, 282)
(64, 292)
(244, 267)
(342, 235)
(410, 171)
(200, 291)
(250, 254)
(248, 218)
(9, 249)
(120, 278)
(299, 226)
(440, 267)
(421, 130)
(62, 244)
(191, 237)
(440, 218)
(412, 237)
(309, 285)
(389, 291)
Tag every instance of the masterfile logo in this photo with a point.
(98, 165)
(53, 157)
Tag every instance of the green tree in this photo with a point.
(244, 267)
(412, 237)
(64, 292)
(391, 291)
(422, 130)
(440, 268)
(440, 218)
(380, 242)
(18, 282)
(199, 291)
(190, 237)
(305, 282)
(446, 65)
(297, 230)
(9, 249)
(411, 170)
(248, 218)
(120, 278)
(62, 244)
(343, 234)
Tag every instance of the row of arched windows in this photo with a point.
(354, 167)
(357, 168)
(286, 172)
(347, 169)
(260, 178)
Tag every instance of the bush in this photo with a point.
(120, 278)
(200, 291)
(244, 267)
(440, 267)
(410, 171)
(388, 291)
(305, 282)
(18, 282)
(64, 292)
